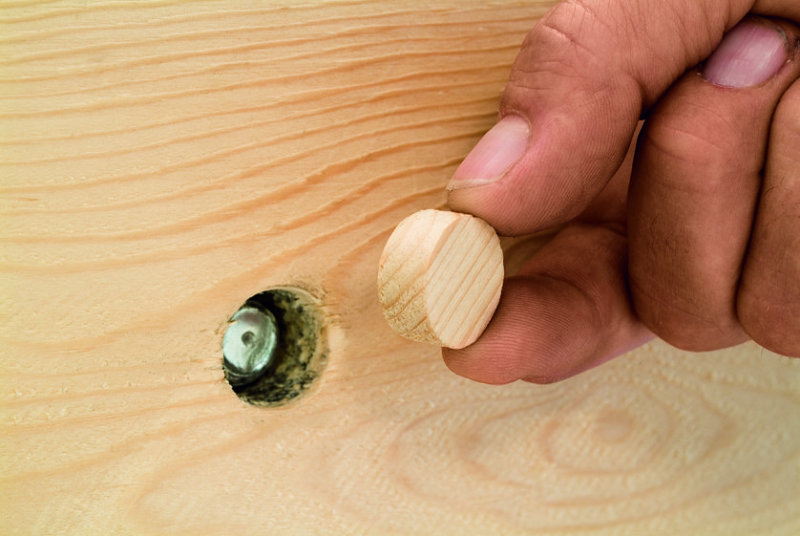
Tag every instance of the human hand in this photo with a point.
(694, 238)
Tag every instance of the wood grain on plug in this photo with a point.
(440, 276)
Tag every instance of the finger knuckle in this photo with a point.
(769, 309)
(678, 136)
(692, 325)
(566, 24)
(561, 41)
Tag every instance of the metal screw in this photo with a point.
(249, 344)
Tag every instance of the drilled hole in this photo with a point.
(274, 348)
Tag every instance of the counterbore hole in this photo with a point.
(274, 347)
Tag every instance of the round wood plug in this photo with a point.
(440, 276)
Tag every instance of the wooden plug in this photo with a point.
(440, 276)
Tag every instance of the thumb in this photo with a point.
(582, 79)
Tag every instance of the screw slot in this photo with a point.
(273, 348)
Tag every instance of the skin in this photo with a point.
(691, 233)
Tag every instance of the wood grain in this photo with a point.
(161, 162)
(439, 277)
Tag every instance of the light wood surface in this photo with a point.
(439, 277)
(162, 162)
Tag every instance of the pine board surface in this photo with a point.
(160, 162)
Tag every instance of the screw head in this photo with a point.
(249, 344)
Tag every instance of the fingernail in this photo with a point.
(751, 53)
(493, 156)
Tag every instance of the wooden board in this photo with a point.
(161, 162)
